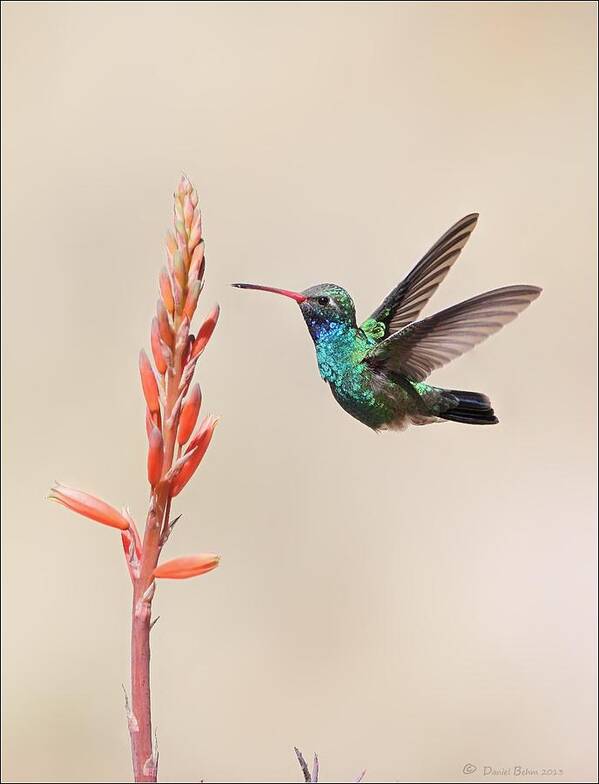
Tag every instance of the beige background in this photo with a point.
(408, 603)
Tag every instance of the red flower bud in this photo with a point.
(188, 566)
(157, 348)
(155, 456)
(199, 444)
(191, 302)
(153, 420)
(149, 383)
(164, 327)
(182, 335)
(180, 271)
(205, 332)
(166, 291)
(196, 268)
(189, 414)
(88, 506)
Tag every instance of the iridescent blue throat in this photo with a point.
(339, 348)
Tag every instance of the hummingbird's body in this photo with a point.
(376, 371)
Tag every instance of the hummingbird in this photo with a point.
(377, 370)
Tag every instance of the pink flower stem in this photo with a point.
(145, 757)
(145, 764)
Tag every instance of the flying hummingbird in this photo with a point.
(377, 370)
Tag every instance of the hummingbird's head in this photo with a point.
(322, 306)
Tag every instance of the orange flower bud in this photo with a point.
(155, 456)
(180, 271)
(191, 301)
(149, 383)
(183, 187)
(88, 506)
(189, 414)
(157, 348)
(187, 212)
(205, 332)
(166, 291)
(195, 235)
(182, 335)
(196, 269)
(171, 243)
(164, 327)
(188, 566)
(199, 444)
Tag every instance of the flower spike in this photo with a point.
(174, 453)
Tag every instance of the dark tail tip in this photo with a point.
(472, 408)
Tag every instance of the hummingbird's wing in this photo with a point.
(407, 299)
(426, 345)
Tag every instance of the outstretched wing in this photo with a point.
(405, 302)
(426, 345)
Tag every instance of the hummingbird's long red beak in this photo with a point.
(299, 298)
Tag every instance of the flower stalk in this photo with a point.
(172, 411)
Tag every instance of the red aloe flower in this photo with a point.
(187, 566)
(149, 383)
(205, 332)
(159, 350)
(164, 326)
(166, 291)
(194, 453)
(155, 456)
(189, 414)
(88, 506)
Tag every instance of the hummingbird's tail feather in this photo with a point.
(472, 408)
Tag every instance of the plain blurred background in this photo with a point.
(409, 603)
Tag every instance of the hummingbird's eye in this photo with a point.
(323, 301)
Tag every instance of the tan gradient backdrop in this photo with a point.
(408, 603)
